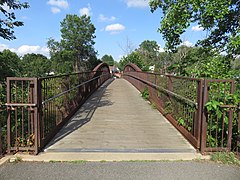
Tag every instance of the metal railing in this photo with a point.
(2, 133)
(3, 120)
(180, 108)
(39, 107)
(184, 103)
(218, 118)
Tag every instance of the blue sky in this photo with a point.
(116, 22)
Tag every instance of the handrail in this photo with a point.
(65, 92)
(62, 75)
(165, 90)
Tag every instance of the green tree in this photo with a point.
(93, 62)
(77, 42)
(10, 64)
(184, 58)
(35, 65)
(108, 59)
(236, 63)
(7, 25)
(149, 51)
(196, 62)
(219, 17)
(134, 58)
(164, 60)
(215, 67)
(62, 59)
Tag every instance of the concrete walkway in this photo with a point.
(117, 122)
(117, 119)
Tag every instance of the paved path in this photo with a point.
(119, 170)
(117, 119)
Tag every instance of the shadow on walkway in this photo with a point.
(85, 113)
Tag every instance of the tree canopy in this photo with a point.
(220, 18)
(35, 65)
(135, 58)
(108, 59)
(76, 45)
(7, 25)
(10, 64)
(146, 55)
(149, 51)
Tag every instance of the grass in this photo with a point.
(225, 158)
(218, 157)
(153, 105)
(145, 94)
(16, 159)
(145, 161)
(74, 162)
(103, 161)
(78, 161)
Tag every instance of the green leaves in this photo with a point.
(10, 65)
(76, 46)
(135, 58)
(35, 65)
(7, 25)
(108, 59)
(219, 17)
(213, 105)
(181, 122)
(145, 94)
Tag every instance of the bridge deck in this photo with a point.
(117, 119)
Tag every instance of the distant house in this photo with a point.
(152, 68)
(115, 71)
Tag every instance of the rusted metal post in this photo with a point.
(229, 137)
(238, 135)
(204, 119)
(40, 112)
(198, 116)
(169, 83)
(155, 79)
(1, 140)
(8, 117)
(36, 122)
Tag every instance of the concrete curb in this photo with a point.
(5, 159)
(51, 157)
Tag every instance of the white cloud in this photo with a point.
(86, 11)
(25, 49)
(187, 43)
(115, 28)
(197, 28)
(161, 50)
(137, 3)
(3, 46)
(55, 10)
(103, 18)
(59, 3)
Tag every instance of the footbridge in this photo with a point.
(94, 112)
